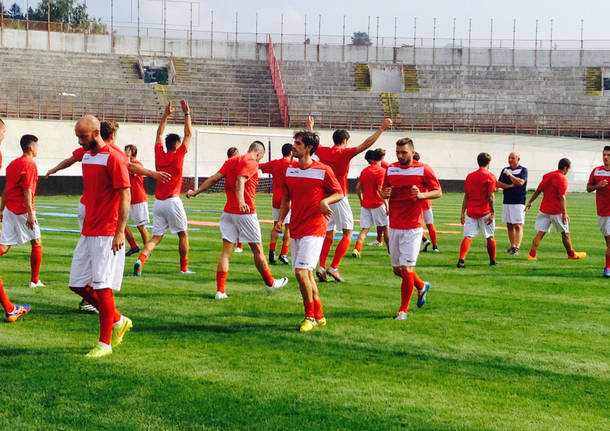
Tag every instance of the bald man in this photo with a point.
(99, 257)
(513, 181)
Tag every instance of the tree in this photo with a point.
(361, 38)
(14, 12)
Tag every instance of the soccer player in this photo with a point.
(598, 182)
(234, 152)
(429, 220)
(277, 168)
(373, 208)
(309, 189)
(338, 157)
(99, 256)
(513, 180)
(379, 240)
(168, 210)
(408, 183)
(239, 219)
(478, 209)
(138, 211)
(553, 210)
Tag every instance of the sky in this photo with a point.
(566, 17)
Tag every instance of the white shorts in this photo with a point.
(240, 228)
(81, 212)
(139, 213)
(544, 222)
(342, 217)
(305, 252)
(95, 265)
(373, 217)
(513, 213)
(604, 225)
(14, 229)
(168, 214)
(472, 226)
(404, 246)
(428, 216)
(276, 215)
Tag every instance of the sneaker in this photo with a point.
(510, 250)
(131, 251)
(607, 272)
(308, 324)
(425, 243)
(461, 263)
(188, 271)
(435, 249)
(284, 259)
(137, 268)
(98, 351)
(334, 273)
(278, 283)
(321, 274)
(530, 257)
(17, 312)
(401, 316)
(271, 257)
(493, 263)
(221, 295)
(119, 333)
(321, 322)
(375, 243)
(421, 299)
(85, 306)
(515, 251)
(578, 255)
(356, 254)
(37, 284)
(238, 249)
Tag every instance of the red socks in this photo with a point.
(532, 252)
(607, 261)
(309, 309)
(464, 247)
(419, 283)
(406, 290)
(432, 233)
(328, 243)
(285, 248)
(107, 313)
(491, 249)
(340, 251)
(131, 240)
(35, 261)
(184, 264)
(267, 277)
(8, 306)
(317, 309)
(142, 258)
(571, 253)
(272, 246)
(358, 245)
(221, 278)
(239, 245)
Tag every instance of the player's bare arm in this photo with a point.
(284, 208)
(240, 185)
(161, 129)
(505, 185)
(387, 123)
(31, 220)
(464, 204)
(327, 201)
(119, 237)
(564, 209)
(66, 163)
(386, 192)
(2, 205)
(209, 182)
(431, 194)
(359, 191)
(597, 186)
(134, 168)
(532, 199)
(309, 123)
(490, 200)
(188, 127)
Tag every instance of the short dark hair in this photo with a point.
(339, 136)
(256, 146)
(171, 140)
(416, 156)
(132, 148)
(369, 155)
(26, 140)
(309, 139)
(483, 159)
(405, 141)
(606, 148)
(108, 128)
(564, 163)
(286, 149)
(381, 152)
(231, 152)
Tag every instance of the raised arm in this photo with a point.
(209, 182)
(161, 129)
(134, 168)
(309, 123)
(66, 163)
(188, 128)
(387, 123)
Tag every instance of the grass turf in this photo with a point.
(521, 346)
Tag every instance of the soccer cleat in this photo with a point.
(510, 250)
(131, 251)
(321, 322)
(85, 306)
(278, 283)
(98, 351)
(435, 249)
(425, 243)
(271, 256)
(578, 255)
(421, 299)
(493, 263)
(356, 254)
(221, 295)
(334, 273)
(308, 324)
(238, 249)
(284, 259)
(17, 312)
(119, 333)
(607, 272)
(461, 263)
(375, 243)
(137, 268)
(401, 316)
(188, 271)
(530, 257)
(37, 284)
(515, 251)
(321, 274)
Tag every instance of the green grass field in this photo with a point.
(522, 346)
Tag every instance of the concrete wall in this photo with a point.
(386, 78)
(224, 49)
(451, 155)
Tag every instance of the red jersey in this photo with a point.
(104, 172)
(338, 159)
(138, 193)
(406, 209)
(371, 179)
(21, 174)
(172, 163)
(554, 185)
(246, 166)
(306, 188)
(385, 165)
(478, 185)
(277, 168)
(602, 196)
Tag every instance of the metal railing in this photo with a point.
(278, 85)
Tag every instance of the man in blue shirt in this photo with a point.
(513, 181)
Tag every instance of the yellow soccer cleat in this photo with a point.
(578, 255)
(356, 254)
(321, 322)
(119, 333)
(98, 351)
(308, 324)
(530, 257)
